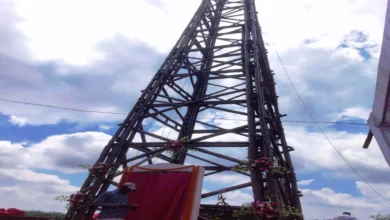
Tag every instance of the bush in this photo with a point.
(51, 215)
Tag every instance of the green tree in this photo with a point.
(380, 217)
(51, 215)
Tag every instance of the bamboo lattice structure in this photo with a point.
(222, 60)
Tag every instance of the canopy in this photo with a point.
(379, 119)
(165, 191)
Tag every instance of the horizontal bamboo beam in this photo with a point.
(196, 144)
(232, 188)
(162, 157)
(219, 155)
(142, 155)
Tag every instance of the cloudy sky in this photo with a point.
(99, 55)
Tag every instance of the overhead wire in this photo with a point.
(147, 129)
(289, 121)
(122, 113)
(322, 131)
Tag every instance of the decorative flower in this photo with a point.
(175, 145)
(99, 169)
(76, 200)
(262, 164)
(265, 209)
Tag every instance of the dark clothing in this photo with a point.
(112, 197)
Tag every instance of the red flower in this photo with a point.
(76, 200)
(265, 209)
(175, 145)
(101, 168)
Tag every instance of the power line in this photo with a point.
(122, 113)
(59, 107)
(322, 131)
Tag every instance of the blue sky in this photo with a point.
(101, 57)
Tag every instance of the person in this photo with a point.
(345, 216)
(114, 204)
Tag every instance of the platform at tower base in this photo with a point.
(165, 191)
(9, 217)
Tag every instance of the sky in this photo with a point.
(99, 55)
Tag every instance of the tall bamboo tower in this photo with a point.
(219, 66)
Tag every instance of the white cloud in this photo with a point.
(313, 152)
(330, 197)
(382, 188)
(19, 182)
(103, 49)
(227, 179)
(80, 148)
(48, 41)
(305, 182)
(57, 153)
(326, 203)
(104, 127)
(355, 112)
(10, 153)
(17, 120)
(236, 198)
(306, 21)
(58, 37)
(66, 152)
(20, 194)
(104, 75)
(80, 90)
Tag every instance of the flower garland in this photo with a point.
(267, 210)
(174, 147)
(246, 210)
(76, 200)
(99, 169)
(280, 170)
(262, 164)
(80, 199)
(290, 211)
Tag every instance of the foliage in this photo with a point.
(248, 210)
(280, 170)
(245, 166)
(289, 211)
(51, 215)
(180, 146)
(267, 210)
(102, 169)
(90, 167)
(63, 198)
(262, 164)
(77, 200)
(85, 166)
(380, 217)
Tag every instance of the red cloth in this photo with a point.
(12, 212)
(159, 196)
